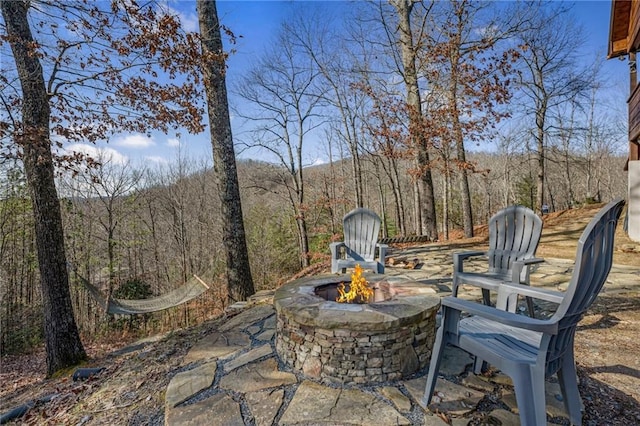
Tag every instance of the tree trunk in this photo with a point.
(445, 201)
(540, 157)
(398, 198)
(300, 199)
(239, 280)
(357, 174)
(417, 211)
(467, 212)
(465, 192)
(303, 236)
(391, 170)
(425, 182)
(62, 340)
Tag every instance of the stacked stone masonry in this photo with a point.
(355, 344)
(347, 356)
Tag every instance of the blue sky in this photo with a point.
(258, 21)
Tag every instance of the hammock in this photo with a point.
(190, 290)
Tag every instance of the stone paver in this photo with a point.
(477, 383)
(248, 357)
(247, 318)
(555, 406)
(454, 361)
(242, 353)
(506, 418)
(314, 403)
(217, 345)
(219, 409)
(401, 402)
(188, 383)
(264, 405)
(448, 397)
(258, 376)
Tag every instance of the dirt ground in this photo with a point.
(131, 390)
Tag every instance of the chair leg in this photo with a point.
(479, 365)
(530, 307)
(454, 286)
(568, 380)
(528, 384)
(434, 366)
(485, 297)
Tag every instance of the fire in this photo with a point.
(359, 290)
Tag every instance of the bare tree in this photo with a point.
(18, 277)
(282, 91)
(470, 70)
(386, 126)
(426, 214)
(320, 36)
(114, 188)
(552, 73)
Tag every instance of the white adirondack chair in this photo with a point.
(528, 349)
(514, 234)
(361, 227)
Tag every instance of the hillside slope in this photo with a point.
(136, 377)
(561, 231)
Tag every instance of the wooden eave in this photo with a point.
(624, 28)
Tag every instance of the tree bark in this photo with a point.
(540, 157)
(62, 340)
(239, 280)
(467, 212)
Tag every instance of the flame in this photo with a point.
(359, 288)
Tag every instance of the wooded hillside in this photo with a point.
(141, 232)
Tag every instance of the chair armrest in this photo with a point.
(507, 290)
(498, 315)
(459, 257)
(518, 265)
(382, 250)
(465, 254)
(335, 247)
(531, 260)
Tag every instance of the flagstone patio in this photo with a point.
(233, 375)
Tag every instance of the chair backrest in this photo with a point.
(361, 227)
(594, 257)
(514, 234)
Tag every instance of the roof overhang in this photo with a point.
(624, 29)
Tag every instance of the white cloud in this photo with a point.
(173, 142)
(98, 153)
(134, 140)
(156, 159)
(319, 161)
(189, 20)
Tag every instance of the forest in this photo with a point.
(156, 226)
(433, 114)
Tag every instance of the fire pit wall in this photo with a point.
(355, 343)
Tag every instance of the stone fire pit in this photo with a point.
(385, 340)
